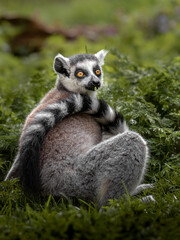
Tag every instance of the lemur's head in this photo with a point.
(80, 73)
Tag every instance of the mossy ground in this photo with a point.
(142, 80)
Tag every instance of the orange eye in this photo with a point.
(80, 74)
(98, 72)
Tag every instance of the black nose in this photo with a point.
(95, 83)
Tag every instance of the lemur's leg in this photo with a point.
(14, 170)
(112, 167)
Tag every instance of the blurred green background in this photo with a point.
(145, 30)
(141, 80)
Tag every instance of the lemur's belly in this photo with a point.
(72, 137)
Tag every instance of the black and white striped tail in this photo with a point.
(33, 136)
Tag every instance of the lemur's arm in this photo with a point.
(112, 122)
(44, 120)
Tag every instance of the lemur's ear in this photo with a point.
(101, 55)
(61, 65)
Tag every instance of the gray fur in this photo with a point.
(37, 126)
(106, 171)
(98, 57)
(87, 153)
(81, 57)
(66, 68)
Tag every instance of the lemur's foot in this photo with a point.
(142, 187)
(148, 199)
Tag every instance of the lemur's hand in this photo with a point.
(111, 121)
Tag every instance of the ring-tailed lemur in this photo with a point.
(62, 150)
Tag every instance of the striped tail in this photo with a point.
(33, 136)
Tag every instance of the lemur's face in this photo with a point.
(80, 73)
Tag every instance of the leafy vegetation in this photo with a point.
(141, 80)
